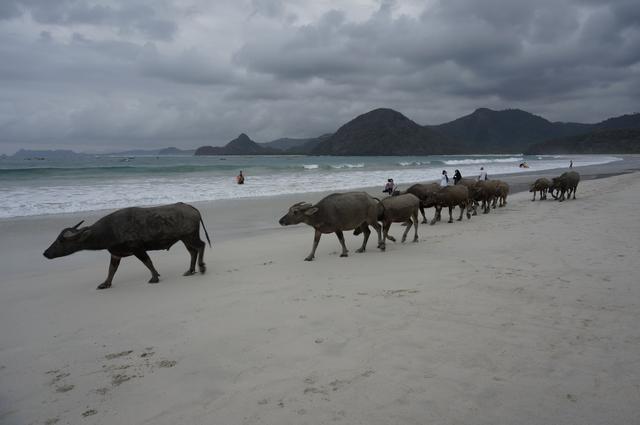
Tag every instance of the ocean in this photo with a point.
(39, 187)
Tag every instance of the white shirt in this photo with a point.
(482, 176)
(443, 180)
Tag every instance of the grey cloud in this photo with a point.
(125, 17)
(137, 73)
(187, 67)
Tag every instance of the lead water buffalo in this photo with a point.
(134, 231)
(334, 214)
(566, 183)
(540, 185)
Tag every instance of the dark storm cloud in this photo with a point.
(92, 74)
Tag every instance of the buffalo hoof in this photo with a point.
(391, 238)
(382, 247)
(360, 250)
(344, 254)
(459, 219)
(424, 222)
(416, 240)
(154, 279)
(202, 267)
(468, 216)
(403, 240)
(104, 285)
(187, 273)
(309, 258)
(450, 221)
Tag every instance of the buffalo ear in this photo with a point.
(78, 225)
(71, 235)
(311, 211)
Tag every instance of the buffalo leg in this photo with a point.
(450, 215)
(201, 264)
(574, 191)
(534, 196)
(461, 212)
(193, 252)
(345, 252)
(364, 228)
(378, 228)
(415, 226)
(144, 257)
(424, 217)
(113, 266)
(385, 231)
(436, 216)
(316, 240)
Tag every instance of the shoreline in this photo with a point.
(518, 181)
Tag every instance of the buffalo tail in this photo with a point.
(205, 232)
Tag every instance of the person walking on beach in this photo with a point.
(457, 177)
(571, 163)
(444, 181)
(390, 187)
(240, 178)
(483, 175)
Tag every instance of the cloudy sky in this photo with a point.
(99, 75)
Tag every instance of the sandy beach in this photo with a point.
(527, 315)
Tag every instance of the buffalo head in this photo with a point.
(70, 240)
(298, 213)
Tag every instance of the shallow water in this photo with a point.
(35, 187)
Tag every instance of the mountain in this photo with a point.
(47, 154)
(623, 121)
(385, 132)
(308, 146)
(626, 140)
(291, 145)
(241, 145)
(507, 131)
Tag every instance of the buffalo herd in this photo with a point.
(136, 230)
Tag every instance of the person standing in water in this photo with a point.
(571, 163)
(240, 178)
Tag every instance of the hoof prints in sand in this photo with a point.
(120, 368)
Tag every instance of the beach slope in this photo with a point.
(527, 315)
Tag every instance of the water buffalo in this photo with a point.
(336, 213)
(450, 196)
(397, 209)
(502, 192)
(474, 193)
(540, 185)
(566, 183)
(134, 231)
(486, 193)
(421, 191)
